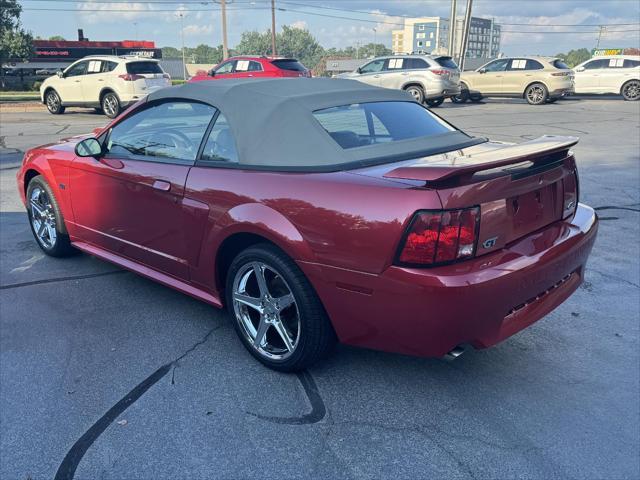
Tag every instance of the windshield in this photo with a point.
(362, 124)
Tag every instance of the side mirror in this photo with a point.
(212, 73)
(358, 70)
(89, 147)
(580, 69)
(482, 70)
(60, 73)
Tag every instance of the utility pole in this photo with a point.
(375, 40)
(452, 29)
(602, 30)
(274, 52)
(465, 34)
(184, 64)
(223, 10)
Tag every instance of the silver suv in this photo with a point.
(429, 78)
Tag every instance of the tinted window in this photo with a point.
(375, 66)
(497, 65)
(169, 132)
(446, 62)
(534, 65)
(289, 64)
(631, 63)
(602, 63)
(411, 63)
(226, 67)
(77, 69)
(220, 146)
(255, 67)
(139, 68)
(560, 64)
(363, 124)
(109, 66)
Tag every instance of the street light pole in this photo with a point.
(452, 29)
(602, 29)
(223, 9)
(465, 34)
(184, 64)
(375, 40)
(274, 52)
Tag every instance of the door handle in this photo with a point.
(404, 74)
(250, 75)
(376, 76)
(161, 185)
(101, 79)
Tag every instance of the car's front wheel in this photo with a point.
(463, 96)
(54, 103)
(435, 102)
(111, 105)
(416, 92)
(536, 94)
(277, 314)
(45, 219)
(631, 90)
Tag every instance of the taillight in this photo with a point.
(440, 72)
(439, 237)
(130, 77)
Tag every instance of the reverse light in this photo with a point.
(439, 237)
(130, 77)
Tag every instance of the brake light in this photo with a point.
(440, 72)
(130, 77)
(438, 237)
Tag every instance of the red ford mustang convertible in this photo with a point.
(320, 210)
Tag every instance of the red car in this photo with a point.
(334, 210)
(254, 67)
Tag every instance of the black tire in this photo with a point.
(316, 336)
(61, 245)
(111, 105)
(552, 100)
(536, 94)
(98, 110)
(463, 96)
(53, 102)
(435, 102)
(475, 97)
(631, 90)
(416, 92)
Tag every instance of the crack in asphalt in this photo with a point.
(61, 279)
(318, 408)
(69, 465)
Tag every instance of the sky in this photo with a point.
(544, 27)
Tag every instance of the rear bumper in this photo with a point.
(562, 92)
(445, 91)
(428, 312)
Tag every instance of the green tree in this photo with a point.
(171, 52)
(574, 57)
(57, 38)
(254, 43)
(15, 43)
(205, 54)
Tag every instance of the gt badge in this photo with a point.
(489, 242)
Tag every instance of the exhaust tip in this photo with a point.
(453, 354)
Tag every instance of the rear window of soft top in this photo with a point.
(139, 68)
(289, 64)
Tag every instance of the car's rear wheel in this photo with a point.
(631, 90)
(536, 94)
(110, 105)
(435, 102)
(54, 103)
(277, 314)
(45, 219)
(463, 96)
(416, 92)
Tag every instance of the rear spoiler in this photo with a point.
(539, 150)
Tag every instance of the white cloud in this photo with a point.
(102, 12)
(196, 30)
(300, 24)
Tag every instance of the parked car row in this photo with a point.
(111, 83)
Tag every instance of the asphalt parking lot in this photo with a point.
(104, 374)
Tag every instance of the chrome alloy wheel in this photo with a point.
(631, 90)
(43, 218)
(53, 101)
(110, 105)
(266, 310)
(535, 94)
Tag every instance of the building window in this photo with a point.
(421, 35)
(420, 27)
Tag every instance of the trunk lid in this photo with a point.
(519, 188)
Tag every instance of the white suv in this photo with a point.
(617, 74)
(106, 83)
